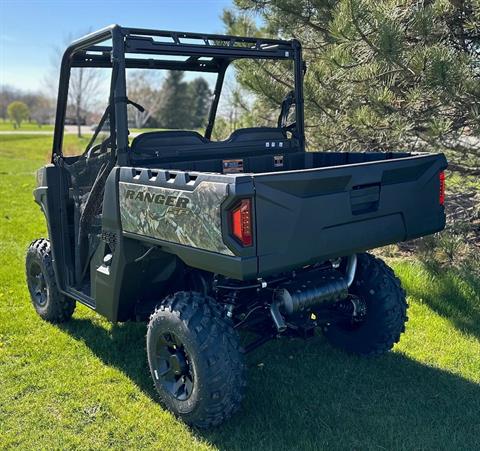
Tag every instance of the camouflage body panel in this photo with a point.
(191, 218)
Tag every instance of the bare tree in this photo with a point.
(42, 110)
(83, 91)
(141, 90)
(86, 84)
(7, 95)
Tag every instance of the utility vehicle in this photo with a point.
(252, 236)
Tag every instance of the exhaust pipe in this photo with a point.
(303, 293)
(351, 269)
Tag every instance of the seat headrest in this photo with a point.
(155, 140)
(257, 133)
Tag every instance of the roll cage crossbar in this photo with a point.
(136, 48)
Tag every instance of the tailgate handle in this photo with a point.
(365, 198)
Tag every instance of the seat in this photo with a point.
(152, 142)
(263, 134)
(171, 146)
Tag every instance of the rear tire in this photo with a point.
(386, 311)
(47, 300)
(195, 359)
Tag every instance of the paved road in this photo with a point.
(33, 132)
(69, 130)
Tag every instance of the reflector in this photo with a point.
(241, 222)
(442, 188)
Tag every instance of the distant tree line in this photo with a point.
(173, 103)
(18, 106)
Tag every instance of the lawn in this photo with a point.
(7, 126)
(85, 385)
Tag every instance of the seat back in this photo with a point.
(152, 143)
(181, 146)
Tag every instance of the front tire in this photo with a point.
(195, 359)
(47, 300)
(381, 292)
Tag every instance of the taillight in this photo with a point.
(242, 222)
(441, 197)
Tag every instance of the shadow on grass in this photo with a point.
(122, 346)
(306, 395)
(453, 294)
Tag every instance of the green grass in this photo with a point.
(7, 126)
(145, 130)
(85, 385)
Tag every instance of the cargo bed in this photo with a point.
(316, 206)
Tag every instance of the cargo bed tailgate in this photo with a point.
(311, 215)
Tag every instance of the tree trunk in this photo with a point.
(78, 108)
(79, 127)
(138, 120)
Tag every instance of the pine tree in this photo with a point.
(200, 101)
(174, 111)
(382, 75)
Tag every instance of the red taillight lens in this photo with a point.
(242, 222)
(441, 197)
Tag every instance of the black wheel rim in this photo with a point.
(172, 367)
(38, 285)
(355, 311)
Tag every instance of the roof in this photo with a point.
(180, 50)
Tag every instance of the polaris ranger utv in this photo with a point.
(205, 239)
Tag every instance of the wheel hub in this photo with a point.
(38, 286)
(352, 308)
(359, 309)
(172, 367)
(178, 363)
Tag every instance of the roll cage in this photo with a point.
(120, 48)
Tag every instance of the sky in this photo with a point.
(32, 31)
